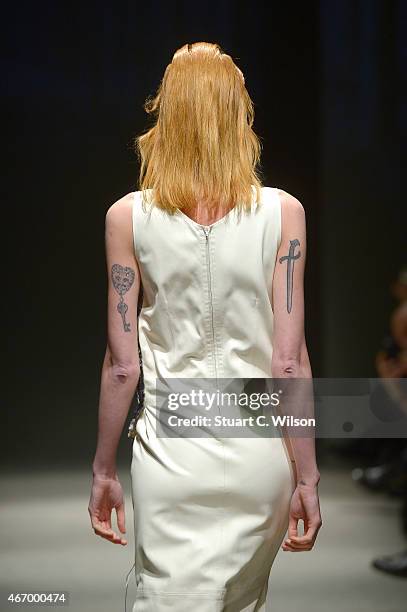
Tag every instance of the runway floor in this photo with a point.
(47, 544)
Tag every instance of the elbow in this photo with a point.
(122, 371)
(284, 367)
(291, 365)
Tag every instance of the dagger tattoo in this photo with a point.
(122, 279)
(290, 258)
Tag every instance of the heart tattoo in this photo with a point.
(122, 279)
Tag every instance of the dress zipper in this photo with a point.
(207, 230)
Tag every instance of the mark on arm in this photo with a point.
(122, 279)
(290, 258)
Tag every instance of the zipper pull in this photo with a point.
(206, 230)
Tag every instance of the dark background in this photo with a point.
(329, 85)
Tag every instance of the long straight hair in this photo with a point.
(202, 146)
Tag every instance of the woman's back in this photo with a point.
(207, 291)
(220, 501)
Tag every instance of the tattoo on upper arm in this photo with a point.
(290, 258)
(122, 279)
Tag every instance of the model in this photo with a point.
(219, 259)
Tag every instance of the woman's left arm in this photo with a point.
(120, 370)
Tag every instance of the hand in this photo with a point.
(107, 494)
(304, 505)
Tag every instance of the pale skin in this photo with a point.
(120, 370)
(290, 360)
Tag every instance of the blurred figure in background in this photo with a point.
(389, 474)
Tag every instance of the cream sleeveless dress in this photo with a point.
(209, 513)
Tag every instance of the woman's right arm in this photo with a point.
(290, 360)
(120, 370)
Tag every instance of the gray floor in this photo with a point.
(47, 544)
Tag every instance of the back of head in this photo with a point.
(202, 145)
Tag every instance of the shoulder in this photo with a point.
(293, 221)
(290, 205)
(118, 221)
(119, 211)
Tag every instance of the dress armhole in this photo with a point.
(279, 217)
(133, 218)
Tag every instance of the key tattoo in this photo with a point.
(122, 279)
(290, 258)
